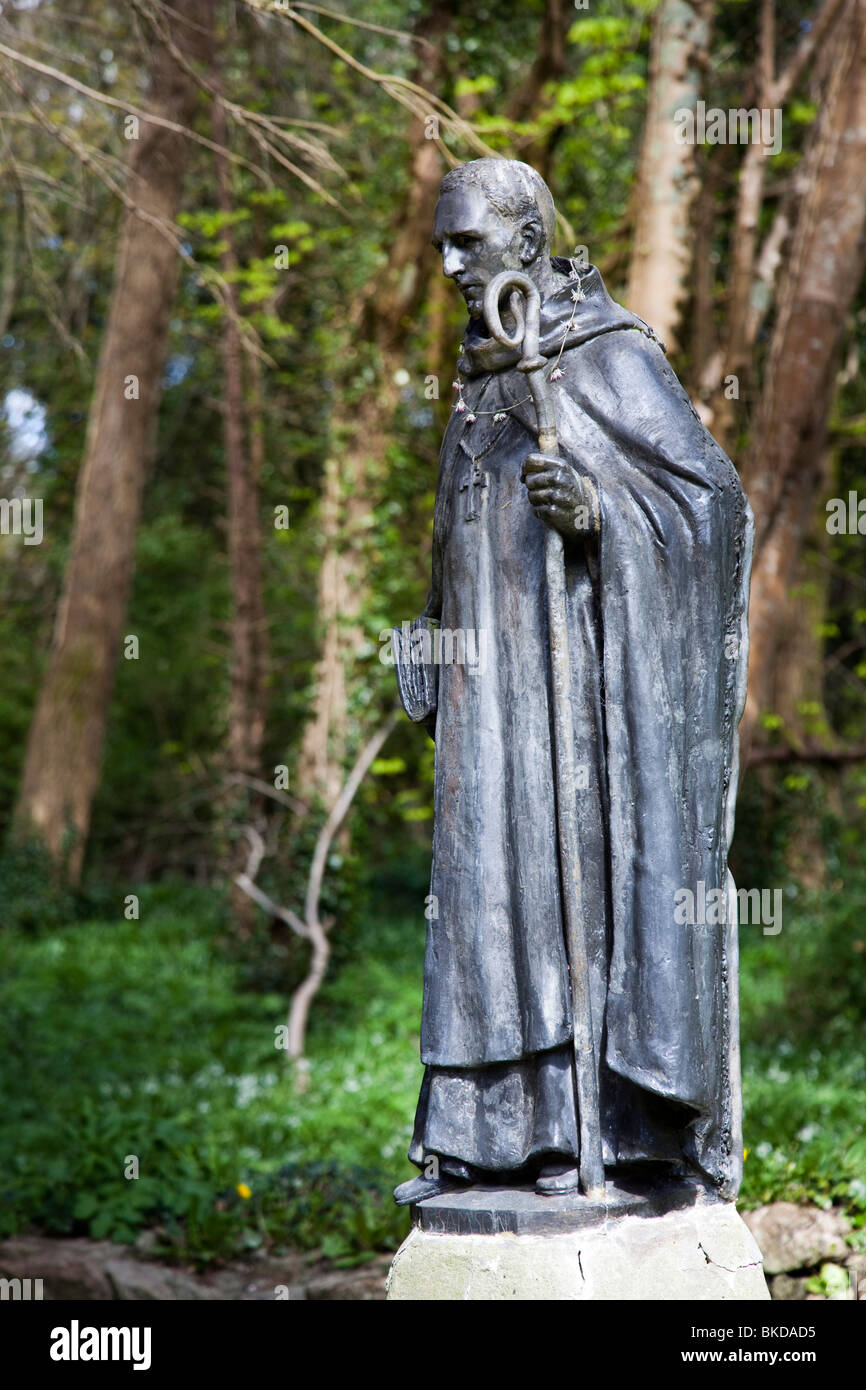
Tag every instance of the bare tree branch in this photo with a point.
(291, 803)
(788, 79)
(414, 97)
(314, 150)
(338, 814)
(313, 928)
(246, 882)
(766, 268)
(309, 988)
(364, 24)
(782, 753)
(128, 108)
(206, 275)
(48, 291)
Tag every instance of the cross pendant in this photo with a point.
(475, 478)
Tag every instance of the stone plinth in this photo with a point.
(490, 1243)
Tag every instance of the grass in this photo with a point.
(130, 1046)
(126, 1041)
(803, 1005)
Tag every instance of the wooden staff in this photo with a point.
(525, 304)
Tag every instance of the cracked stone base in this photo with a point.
(703, 1253)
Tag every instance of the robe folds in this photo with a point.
(657, 632)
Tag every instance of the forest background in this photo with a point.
(227, 352)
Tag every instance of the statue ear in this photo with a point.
(531, 240)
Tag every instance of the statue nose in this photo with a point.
(452, 261)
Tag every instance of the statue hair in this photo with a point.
(514, 189)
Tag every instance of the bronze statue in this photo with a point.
(595, 540)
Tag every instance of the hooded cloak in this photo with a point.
(657, 607)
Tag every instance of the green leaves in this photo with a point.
(173, 1064)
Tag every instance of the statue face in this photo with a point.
(476, 242)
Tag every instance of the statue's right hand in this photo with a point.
(560, 496)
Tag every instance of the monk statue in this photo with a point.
(594, 543)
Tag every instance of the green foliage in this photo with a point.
(803, 999)
(133, 1038)
(175, 1063)
(33, 893)
(830, 1282)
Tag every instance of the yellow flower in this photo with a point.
(745, 1153)
(243, 1191)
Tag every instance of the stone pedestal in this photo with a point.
(490, 1243)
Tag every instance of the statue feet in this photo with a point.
(556, 1178)
(417, 1189)
(451, 1174)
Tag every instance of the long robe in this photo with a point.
(657, 614)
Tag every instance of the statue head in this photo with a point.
(493, 215)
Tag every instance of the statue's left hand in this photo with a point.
(560, 497)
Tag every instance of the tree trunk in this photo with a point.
(383, 314)
(666, 185)
(246, 729)
(242, 435)
(549, 67)
(360, 433)
(65, 745)
(770, 93)
(744, 240)
(785, 466)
